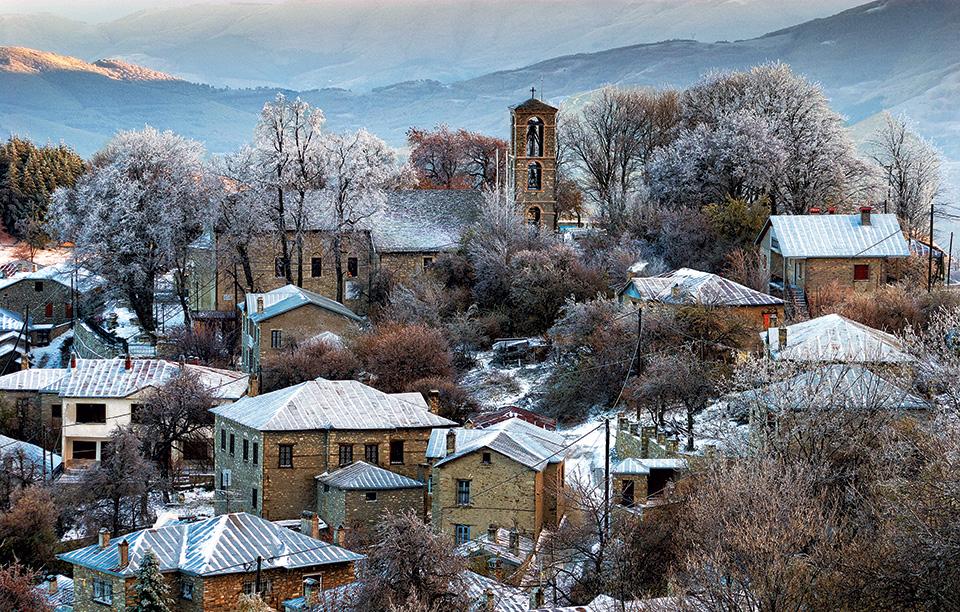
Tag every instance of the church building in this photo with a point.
(533, 144)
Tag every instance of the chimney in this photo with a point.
(259, 303)
(315, 527)
(127, 362)
(103, 537)
(309, 591)
(25, 362)
(492, 532)
(514, 541)
(183, 360)
(451, 441)
(490, 604)
(832, 210)
(435, 401)
(675, 291)
(865, 215)
(815, 210)
(73, 360)
(253, 385)
(782, 338)
(124, 549)
(52, 584)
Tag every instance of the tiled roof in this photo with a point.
(226, 544)
(49, 380)
(834, 338)
(424, 220)
(62, 599)
(330, 404)
(841, 236)
(523, 442)
(833, 386)
(363, 476)
(631, 466)
(287, 298)
(110, 378)
(535, 105)
(687, 286)
(35, 460)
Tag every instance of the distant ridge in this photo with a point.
(21, 60)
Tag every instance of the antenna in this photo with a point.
(541, 87)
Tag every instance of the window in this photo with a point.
(186, 589)
(38, 285)
(285, 452)
(246, 451)
(463, 492)
(256, 452)
(232, 440)
(56, 411)
(225, 479)
(396, 452)
(276, 338)
(861, 272)
(626, 494)
(534, 176)
(102, 591)
(43, 336)
(370, 496)
(534, 137)
(91, 413)
(48, 310)
(430, 486)
(250, 587)
(346, 454)
(461, 534)
(278, 267)
(533, 215)
(427, 262)
(316, 267)
(371, 453)
(82, 449)
(223, 439)
(486, 459)
(68, 310)
(253, 497)
(353, 267)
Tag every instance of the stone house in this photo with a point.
(269, 449)
(277, 319)
(208, 564)
(807, 255)
(688, 287)
(498, 553)
(98, 395)
(35, 395)
(353, 499)
(510, 474)
(834, 338)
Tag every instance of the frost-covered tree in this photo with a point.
(134, 215)
(909, 171)
(150, 586)
(243, 204)
(356, 169)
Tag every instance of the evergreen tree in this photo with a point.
(150, 587)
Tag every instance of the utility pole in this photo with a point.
(636, 358)
(949, 262)
(930, 254)
(606, 478)
(259, 565)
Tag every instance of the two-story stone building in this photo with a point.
(269, 449)
(208, 564)
(510, 474)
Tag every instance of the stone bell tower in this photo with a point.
(533, 155)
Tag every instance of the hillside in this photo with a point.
(890, 54)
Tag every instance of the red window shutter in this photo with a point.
(68, 310)
(48, 309)
(861, 272)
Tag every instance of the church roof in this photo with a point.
(535, 105)
(424, 220)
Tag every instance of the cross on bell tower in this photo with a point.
(533, 153)
(533, 93)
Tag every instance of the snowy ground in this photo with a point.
(50, 356)
(495, 386)
(584, 464)
(197, 502)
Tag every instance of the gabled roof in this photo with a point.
(688, 286)
(62, 600)
(35, 460)
(832, 386)
(836, 236)
(835, 339)
(525, 443)
(498, 546)
(226, 544)
(102, 378)
(10, 320)
(535, 105)
(289, 297)
(363, 476)
(63, 273)
(330, 404)
(630, 466)
(49, 380)
(424, 220)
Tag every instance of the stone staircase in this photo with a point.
(796, 303)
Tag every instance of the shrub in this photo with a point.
(301, 362)
(396, 354)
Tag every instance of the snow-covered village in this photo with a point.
(446, 306)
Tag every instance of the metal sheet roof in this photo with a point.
(499, 546)
(529, 445)
(835, 339)
(34, 459)
(101, 378)
(330, 404)
(844, 236)
(226, 544)
(285, 299)
(35, 379)
(62, 599)
(363, 476)
(631, 466)
(688, 286)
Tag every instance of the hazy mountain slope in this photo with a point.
(361, 44)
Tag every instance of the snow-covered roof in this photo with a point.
(62, 273)
(35, 460)
(10, 320)
(48, 380)
(506, 598)
(837, 236)
(226, 544)
(110, 378)
(688, 286)
(424, 220)
(525, 443)
(832, 386)
(285, 299)
(665, 463)
(62, 599)
(331, 404)
(834, 338)
(498, 546)
(631, 466)
(534, 105)
(363, 476)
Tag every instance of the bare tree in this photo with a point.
(243, 202)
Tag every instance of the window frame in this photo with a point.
(538, 186)
(226, 479)
(370, 496)
(254, 497)
(102, 591)
(371, 453)
(865, 268)
(393, 445)
(285, 451)
(186, 589)
(316, 267)
(461, 534)
(223, 439)
(486, 458)
(276, 338)
(463, 492)
(85, 421)
(278, 267)
(344, 451)
(48, 310)
(38, 286)
(233, 445)
(246, 450)
(353, 267)
(256, 452)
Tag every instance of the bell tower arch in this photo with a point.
(533, 154)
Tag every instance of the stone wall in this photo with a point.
(546, 198)
(401, 267)
(244, 475)
(295, 325)
(220, 593)
(123, 594)
(822, 274)
(24, 295)
(359, 516)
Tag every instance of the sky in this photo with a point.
(100, 10)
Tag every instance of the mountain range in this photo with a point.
(898, 55)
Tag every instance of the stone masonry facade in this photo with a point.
(357, 515)
(544, 199)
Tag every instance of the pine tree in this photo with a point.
(150, 587)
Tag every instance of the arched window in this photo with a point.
(535, 138)
(534, 179)
(533, 215)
